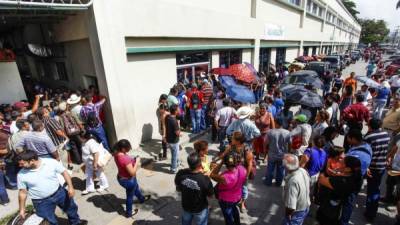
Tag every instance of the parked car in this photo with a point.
(319, 67)
(334, 62)
(347, 60)
(342, 63)
(355, 56)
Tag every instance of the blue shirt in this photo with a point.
(317, 159)
(383, 93)
(272, 110)
(364, 153)
(371, 67)
(246, 127)
(278, 103)
(43, 181)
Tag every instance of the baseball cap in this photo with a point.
(301, 118)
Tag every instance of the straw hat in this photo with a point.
(244, 112)
(73, 99)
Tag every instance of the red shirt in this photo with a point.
(122, 160)
(356, 113)
(189, 95)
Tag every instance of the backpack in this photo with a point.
(91, 119)
(195, 100)
(71, 127)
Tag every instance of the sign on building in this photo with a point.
(274, 32)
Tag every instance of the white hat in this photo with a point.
(62, 106)
(73, 99)
(385, 84)
(244, 112)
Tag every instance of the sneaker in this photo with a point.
(86, 192)
(101, 189)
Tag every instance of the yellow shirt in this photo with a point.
(392, 120)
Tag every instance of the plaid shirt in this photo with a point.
(90, 107)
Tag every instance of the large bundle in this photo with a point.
(30, 219)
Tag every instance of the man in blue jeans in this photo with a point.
(171, 135)
(38, 179)
(363, 152)
(379, 140)
(195, 187)
(195, 100)
(277, 143)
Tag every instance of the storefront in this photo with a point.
(264, 60)
(280, 56)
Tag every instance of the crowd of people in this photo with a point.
(42, 142)
(321, 177)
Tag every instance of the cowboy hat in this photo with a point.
(73, 99)
(244, 112)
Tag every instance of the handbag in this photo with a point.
(104, 157)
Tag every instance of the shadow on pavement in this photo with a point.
(108, 203)
(78, 183)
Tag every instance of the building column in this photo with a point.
(301, 48)
(246, 55)
(273, 56)
(255, 57)
(214, 59)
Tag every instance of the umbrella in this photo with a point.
(304, 77)
(305, 97)
(244, 72)
(227, 81)
(368, 81)
(241, 93)
(290, 89)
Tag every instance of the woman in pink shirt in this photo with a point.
(127, 168)
(229, 187)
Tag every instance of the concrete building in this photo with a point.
(134, 50)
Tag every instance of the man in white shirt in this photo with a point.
(296, 195)
(38, 178)
(223, 118)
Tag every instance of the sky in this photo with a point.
(379, 9)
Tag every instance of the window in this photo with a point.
(280, 56)
(315, 8)
(191, 65)
(227, 58)
(321, 12)
(265, 60)
(328, 17)
(192, 57)
(305, 51)
(295, 2)
(309, 5)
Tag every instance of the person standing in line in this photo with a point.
(39, 141)
(207, 91)
(380, 99)
(351, 81)
(195, 188)
(296, 192)
(277, 144)
(223, 118)
(363, 152)
(127, 170)
(22, 107)
(38, 178)
(162, 112)
(195, 99)
(53, 128)
(90, 114)
(370, 68)
(300, 134)
(171, 136)
(229, 187)
(171, 99)
(264, 122)
(379, 141)
(244, 125)
(4, 151)
(75, 107)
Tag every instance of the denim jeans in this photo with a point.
(230, 212)
(174, 155)
(347, 209)
(275, 168)
(195, 115)
(297, 218)
(221, 137)
(378, 108)
(3, 192)
(46, 207)
(100, 133)
(326, 88)
(132, 189)
(373, 192)
(11, 174)
(200, 218)
(203, 119)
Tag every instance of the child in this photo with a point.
(201, 147)
(91, 152)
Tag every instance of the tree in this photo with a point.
(373, 31)
(351, 7)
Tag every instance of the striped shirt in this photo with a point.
(207, 93)
(52, 126)
(379, 141)
(39, 142)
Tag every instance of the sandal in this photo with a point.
(146, 198)
(135, 211)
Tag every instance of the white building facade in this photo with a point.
(137, 49)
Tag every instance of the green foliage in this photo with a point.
(351, 7)
(373, 31)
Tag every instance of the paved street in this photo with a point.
(264, 204)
